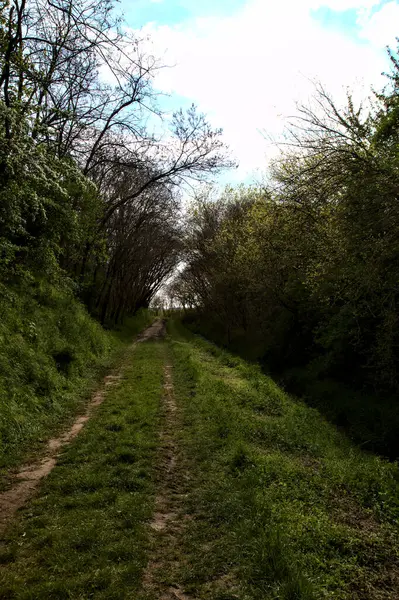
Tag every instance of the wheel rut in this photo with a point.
(169, 516)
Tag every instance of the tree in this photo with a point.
(79, 169)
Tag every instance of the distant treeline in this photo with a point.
(303, 273)
(89, 191)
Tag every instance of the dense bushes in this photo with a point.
(303, 273)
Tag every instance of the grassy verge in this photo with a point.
(85, 535)
(52, 353)
(368, 417)
(370, 420)
(284, 506)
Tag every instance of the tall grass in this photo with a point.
(51, 354)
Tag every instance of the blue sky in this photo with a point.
(174, 12)
(344, 21)
(246, 63)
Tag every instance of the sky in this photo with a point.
(247, 63)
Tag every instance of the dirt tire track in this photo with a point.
(28, 478)
(168, 521)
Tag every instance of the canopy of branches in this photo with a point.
(85, 183)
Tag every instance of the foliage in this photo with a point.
(83, 181)
(49, 210)
(303, 272)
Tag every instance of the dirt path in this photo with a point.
(28, 478)
(154, 331)
(169, 517)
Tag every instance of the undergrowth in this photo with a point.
(51, 354)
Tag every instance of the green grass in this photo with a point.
(283, 505)
(369, 417)
(52, 353)
(85, 536)
(280, 505)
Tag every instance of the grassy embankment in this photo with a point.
(368, 417)
(85, 535)
(284, 505)
(280, 505)
(52, 353)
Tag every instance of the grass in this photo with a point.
(370, 418)
(277, 503)
(283, 506)
(85, 536)
(52, 353)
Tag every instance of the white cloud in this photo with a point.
(246, 71)
(382, 27)
(346, 4)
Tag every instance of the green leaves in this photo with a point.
(48, 207)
